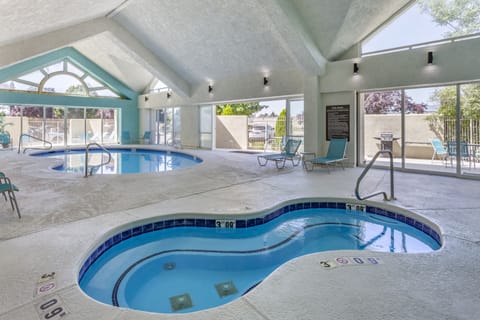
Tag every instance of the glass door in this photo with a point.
(177, 126)
(110, 123)
(468, 143)
(93, 125)
(295, 123)
(55, 125)
(76, 131)
(206, 127)
(429, 128)
(434, 129)
(381, 113)
(168, 125)
(159, 127)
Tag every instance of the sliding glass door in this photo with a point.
(381, 112)
(166, 124)
(206, 127)
(434, 129)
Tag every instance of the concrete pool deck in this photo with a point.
(65, 215)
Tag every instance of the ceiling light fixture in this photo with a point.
(355, 68)
(265, 81)
(430, 57)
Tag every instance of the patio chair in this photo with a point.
(452, 152)
(335, 155)
(439, 150)
(290, 152)
(146, 138)
(7, 188)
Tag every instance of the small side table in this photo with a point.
(307, 155)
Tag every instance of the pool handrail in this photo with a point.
(364, 172)
(20, 140)
(98, 165)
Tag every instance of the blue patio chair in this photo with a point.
(7, 188)
(290, 152)
(439, 150)
(452, 152)
(126, 137)
(146, 138)
(335, 155)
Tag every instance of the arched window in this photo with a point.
(64, 78)
(63, 83)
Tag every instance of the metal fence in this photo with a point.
(469, 130)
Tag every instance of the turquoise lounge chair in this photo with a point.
(439, 150)
(7, 188)
(290, 152)
(335, 155)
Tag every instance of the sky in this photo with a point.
(410, 27)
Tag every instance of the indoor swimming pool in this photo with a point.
(186, 264)
(123, 160)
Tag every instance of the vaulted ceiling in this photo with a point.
(187, 42)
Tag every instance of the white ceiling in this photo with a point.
(199, 41)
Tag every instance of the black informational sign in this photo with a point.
(338, 122)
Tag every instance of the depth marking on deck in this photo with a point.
(350, 261)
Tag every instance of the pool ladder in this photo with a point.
(20, 143)
(98, 165)
(364, 172)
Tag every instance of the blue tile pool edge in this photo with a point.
(250, 222)
(116, 148)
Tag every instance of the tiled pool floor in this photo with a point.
(65, 216)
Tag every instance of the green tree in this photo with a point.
(228, 111)
(281, 125)
(462, 17)
(446, 98)
(78, 90)
(470, 101)
(246, 109)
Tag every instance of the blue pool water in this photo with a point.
(190, 264)
(123, 161)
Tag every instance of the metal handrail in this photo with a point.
(98, 165)
(20, 140)
(385, 197)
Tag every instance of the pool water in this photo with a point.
(124, 161)
(189, 268)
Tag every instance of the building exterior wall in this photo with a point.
(232, 132)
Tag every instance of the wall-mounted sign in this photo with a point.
(338, 122)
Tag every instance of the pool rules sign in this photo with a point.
(338, 122)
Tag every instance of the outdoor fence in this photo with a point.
(469, 130)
